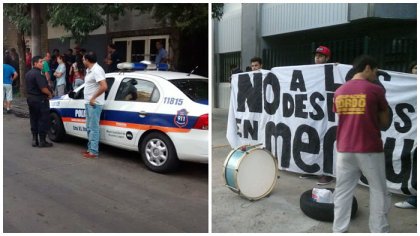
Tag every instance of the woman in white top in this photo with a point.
(60, 74)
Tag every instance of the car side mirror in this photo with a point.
(72, 94)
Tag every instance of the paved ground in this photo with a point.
(19, 107)
(56, 190)
(280, 212)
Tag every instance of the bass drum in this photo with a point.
(251, 172)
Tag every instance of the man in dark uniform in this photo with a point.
(39, 94)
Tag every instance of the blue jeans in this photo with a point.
(93, 115)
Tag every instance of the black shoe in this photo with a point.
(35, 142)
(43, 142)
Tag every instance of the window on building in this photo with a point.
(229, 61)
(136, 49)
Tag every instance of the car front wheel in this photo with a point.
(56, 132)
(158, 153)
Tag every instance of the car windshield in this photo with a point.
(195, 89)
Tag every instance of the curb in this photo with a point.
(19, 112)
(20, 107)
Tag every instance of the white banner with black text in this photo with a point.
(289, 111)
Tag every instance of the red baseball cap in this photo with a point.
(324, 51)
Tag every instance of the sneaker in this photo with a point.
(307, 176)
(325, 179)
(404, 205)
(90, 155)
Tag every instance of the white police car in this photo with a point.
(161, 114)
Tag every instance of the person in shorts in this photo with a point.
(9, 74)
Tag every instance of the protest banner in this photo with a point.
(289, 111)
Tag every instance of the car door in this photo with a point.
(132, 111)
(75, 120)
(74, 116)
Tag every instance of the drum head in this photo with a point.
(257, 174)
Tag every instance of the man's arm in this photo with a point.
(15, 75)
(384, 118)
(46, 70)
(47, 75)
(47, 92)
(58, 73)
(102, 88)
(165, 56)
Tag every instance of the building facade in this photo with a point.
(287, 34)
(135, 34)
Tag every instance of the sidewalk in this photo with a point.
(280, 212)
(19, 107)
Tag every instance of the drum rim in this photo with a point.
(237, 190)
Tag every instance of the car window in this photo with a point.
(195, 89)
(109, 82)
(79, 94)
(137, 90)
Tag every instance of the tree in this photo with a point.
(81, 19)
(19, 16)
(217, 11)
(24, 16)
(191, 21)
(184, 16)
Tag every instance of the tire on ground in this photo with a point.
(56, 132)
(148, 145)
(321, 211)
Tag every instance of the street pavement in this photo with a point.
(57, 190)
(280, 212)
(19, 107)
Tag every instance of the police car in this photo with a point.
(161, 114)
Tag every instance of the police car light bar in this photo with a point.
(143, 65)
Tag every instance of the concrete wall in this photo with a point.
(259, 22)
(383, 10)
(229, 30)
(9, 35)
(291, 17)
(250, 33)
(133, 20)
(396, 10)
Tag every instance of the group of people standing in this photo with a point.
(359, 144)
(64, 72)
(39, 92)
(56, 75)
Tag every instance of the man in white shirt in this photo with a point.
(94, 94)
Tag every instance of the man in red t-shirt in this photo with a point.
(362, 111)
